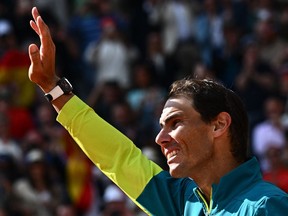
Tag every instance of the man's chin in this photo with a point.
(174, 171)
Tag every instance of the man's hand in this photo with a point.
(42, 68)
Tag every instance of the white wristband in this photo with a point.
(54, 93)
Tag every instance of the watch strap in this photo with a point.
(54, 93)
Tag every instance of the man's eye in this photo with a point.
(175, 123)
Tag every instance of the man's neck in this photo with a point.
(212, 175)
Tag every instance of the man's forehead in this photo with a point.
(166, 111)
(175, 105)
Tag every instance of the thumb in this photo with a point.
(35, 69)
(34, 54)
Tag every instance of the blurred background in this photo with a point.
(121, 57)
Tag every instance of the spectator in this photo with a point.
(8, 145)
(52, 141)
(47, 127)
(264, 9)
(209, 31)
(84, 27)
(255, 82)
(278, 174)
(271, 46)
(163, 67)
(115, 202)
(65, 210)
(228, 59)
(236, 11)
(270, 132)
(104, 96)
(177, 22)
(145, 94)
(110, 56)
(108, 9)
(143, 18)
(37, 194)
(9, 172)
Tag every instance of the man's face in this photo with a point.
(185, 140)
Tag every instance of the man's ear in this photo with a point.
(221, 124)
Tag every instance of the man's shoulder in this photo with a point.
(263, 193)
(271, 200)
(261, 198)
(263, 189)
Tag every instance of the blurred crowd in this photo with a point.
(121, 56)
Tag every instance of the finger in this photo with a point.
(39, 26)
(34, 27)
(42, 27)
(45, 36)
(35, 13)
(34, 56)
(33, 24)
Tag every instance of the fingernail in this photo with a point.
(33, 49)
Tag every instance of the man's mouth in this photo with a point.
(172, 154)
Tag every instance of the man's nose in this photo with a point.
(163, 137)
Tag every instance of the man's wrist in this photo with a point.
(62, 87)
(47, 86)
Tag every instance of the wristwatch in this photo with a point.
(63, 86)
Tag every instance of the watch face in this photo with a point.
(65, 85)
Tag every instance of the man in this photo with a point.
(204, 136)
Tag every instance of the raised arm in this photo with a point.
(42, 68)
(107, 148)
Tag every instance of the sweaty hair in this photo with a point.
(209, 98)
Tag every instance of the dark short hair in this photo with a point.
(209, 98)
